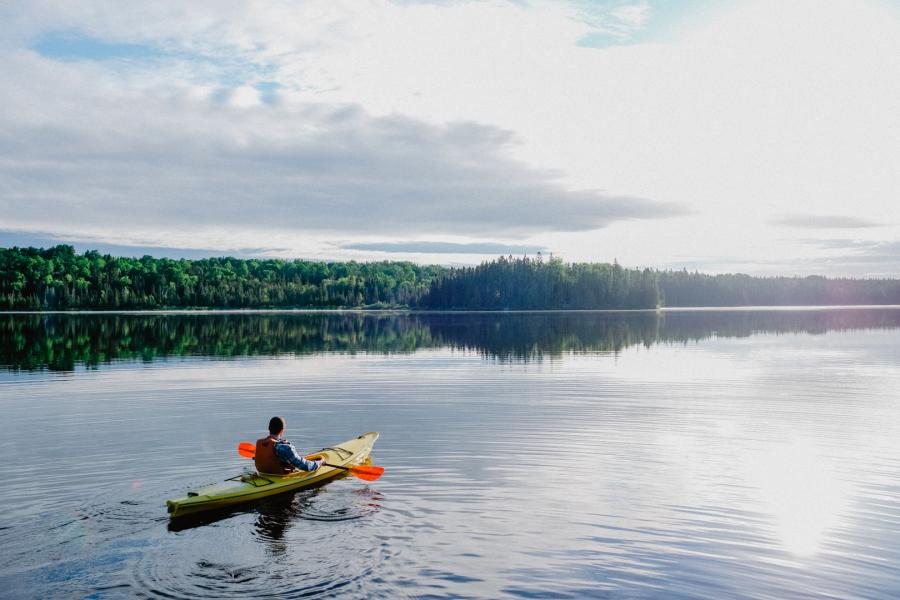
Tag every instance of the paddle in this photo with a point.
(248, 450)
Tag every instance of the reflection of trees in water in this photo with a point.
(525, 336)
(60, 342)
(699, 325)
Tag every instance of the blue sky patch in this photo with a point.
(268, 90)
(666, 20)
(228, 69)
(76, 45)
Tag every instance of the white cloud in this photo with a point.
(824, 222)
(200, 165)
(244, 97)
(634, 16)
(773, 108)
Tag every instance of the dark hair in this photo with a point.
(276, 425)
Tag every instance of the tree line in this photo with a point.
(538, 284)
(681, 288)
(58, 278)
(533, 284)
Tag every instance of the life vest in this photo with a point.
(266, 460)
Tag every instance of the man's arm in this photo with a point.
(287, 454)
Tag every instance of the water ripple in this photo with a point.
(750, 466)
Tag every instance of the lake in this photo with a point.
(682, 454)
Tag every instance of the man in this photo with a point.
(277, 456)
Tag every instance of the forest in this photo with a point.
(681, 288)
(58, 278)
(538, 284)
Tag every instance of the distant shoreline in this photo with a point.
(408, 311)
(58, 280)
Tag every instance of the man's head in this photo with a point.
(276, 425)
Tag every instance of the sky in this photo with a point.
(756, 136)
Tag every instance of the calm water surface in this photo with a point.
(743, 454)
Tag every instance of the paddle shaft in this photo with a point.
(325, 464)
(367, 473)
(364, 473)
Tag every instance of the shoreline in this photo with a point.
(411, 311)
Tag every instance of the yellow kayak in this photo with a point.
(252, 486)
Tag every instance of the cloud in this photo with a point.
(859, 252)
(632, 15)
(824, 222)
(446, 248)
(855, 257)
(886, 254)
(9, 239)
(842, 244)
(833, 257)
(100, 157)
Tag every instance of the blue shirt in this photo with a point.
(289, 456)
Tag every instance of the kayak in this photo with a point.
(253, 485)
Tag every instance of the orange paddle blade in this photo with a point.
(247, 449)
(367, 473)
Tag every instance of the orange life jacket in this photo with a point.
(266, 460)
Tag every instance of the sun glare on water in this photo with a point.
(800, 491)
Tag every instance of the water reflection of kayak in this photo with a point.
(251, 486)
